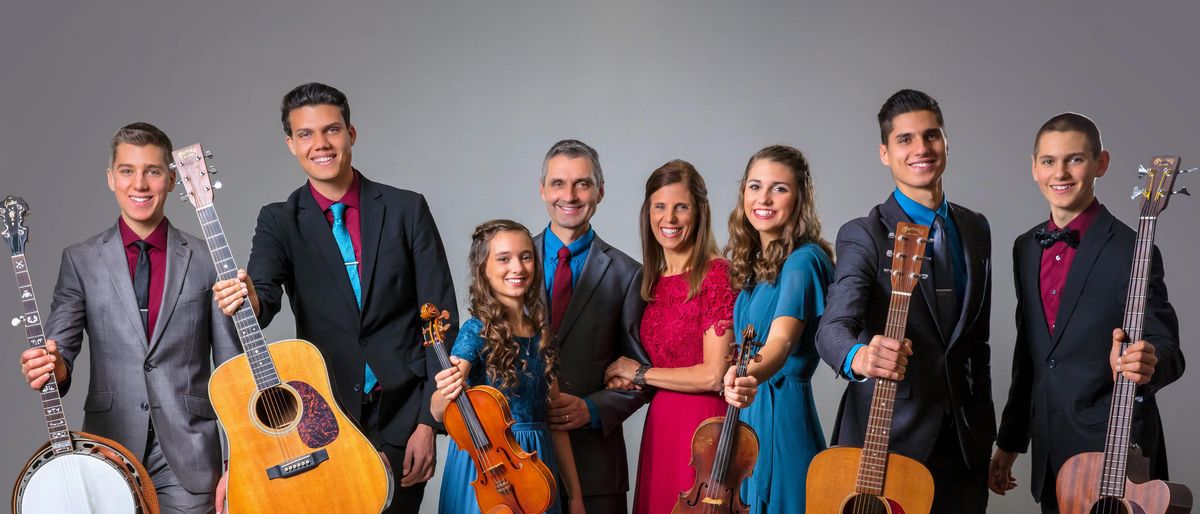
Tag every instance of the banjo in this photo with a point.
(75, 472)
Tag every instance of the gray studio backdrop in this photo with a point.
(458, 100)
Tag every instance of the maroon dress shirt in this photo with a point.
(158, 265)
(351, 201)
(1056, 262)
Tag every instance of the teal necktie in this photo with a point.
(346, 246)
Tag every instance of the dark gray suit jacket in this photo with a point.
(1062, 383)
(601, 324)
(949, 372)
(132, 380)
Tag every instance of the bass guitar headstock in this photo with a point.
(15, 232)
(436, 324)
(1160, 179)
(907, 256)
(194, 171)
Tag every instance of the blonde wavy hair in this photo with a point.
(501, 353)
(749, 262)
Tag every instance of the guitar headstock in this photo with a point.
(436, 324)
(1160, 179)
(193, 169)
(908, 255)
(15, 232)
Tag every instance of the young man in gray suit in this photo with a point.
(594, 295)
(140, 290)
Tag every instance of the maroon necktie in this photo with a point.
(561, 295)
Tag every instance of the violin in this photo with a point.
(508, 480)
(724, 450)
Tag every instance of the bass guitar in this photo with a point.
(1116, 481)
(508, 480)
(75, 472)
(291, 449)
(724, 450)
(870, 480)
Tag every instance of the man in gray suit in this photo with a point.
(141, 291)
(594, 295)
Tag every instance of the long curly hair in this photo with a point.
(749, 262)
(703, 244)
(501, 353)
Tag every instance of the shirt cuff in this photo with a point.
(847, 370)
(594, 413)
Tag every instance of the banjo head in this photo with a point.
(73, 483)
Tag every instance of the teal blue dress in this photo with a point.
(783, 413)
(529, 403)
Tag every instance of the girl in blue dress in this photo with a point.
(782, 267)
(505, 345)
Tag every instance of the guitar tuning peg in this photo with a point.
(889, 253)
(212, 170)
(17, 320)
(921, 276)
(216, 184)
(171, 166)
(922, 258)
(1142, 171)
(1137, 191)
(208, 155)
(1181, 191)
(891, 235)
(183, 197)
(887, 270)
(1189, 170)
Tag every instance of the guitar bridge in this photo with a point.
(297, 466)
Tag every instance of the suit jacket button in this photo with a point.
(145, 406)
(1052, 363)
(357, 387)
(148, 368)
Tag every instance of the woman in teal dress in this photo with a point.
(504, 345)
(782, 267)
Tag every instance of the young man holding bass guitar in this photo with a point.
(140, 291)
(943, 413)
(357, 259)
(1070, 274)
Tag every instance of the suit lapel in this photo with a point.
(179, 257)
(976, 264)
(1081, 269)
(1030, 268)
(313, 223)
(370, 222)
(116, 266)
(593, 271)
(892, 214)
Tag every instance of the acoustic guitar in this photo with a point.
(1116, 481)
(724, 450)
(291, 448)
(871, 480)
(75, 472)
(508, 480)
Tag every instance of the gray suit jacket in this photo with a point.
(601, 324)
(134, 381)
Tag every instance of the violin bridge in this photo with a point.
(713, 501)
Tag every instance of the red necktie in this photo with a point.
(561, 295)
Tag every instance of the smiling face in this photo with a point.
(673, 219)
(509, 266)
(1065, 169)
(321, 141)
(768, 198)
(916, 153)
(571, 195)
(141, 181)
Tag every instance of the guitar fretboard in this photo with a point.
(56, 420)
(248, 329)
(872, 467)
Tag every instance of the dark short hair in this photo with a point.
(140, 134)
(312, 93)
(1072, 122)
(574, 149)
(906, 101)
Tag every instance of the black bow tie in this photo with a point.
(1047, 238)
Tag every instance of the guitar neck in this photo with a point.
(56, 420)
(1120, 418)
(873, 466)
(470, 418)
(248, 329)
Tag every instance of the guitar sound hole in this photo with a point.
(865, 504)
(277, 408)
(1110, 505)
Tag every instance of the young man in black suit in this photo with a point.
(943, 410)
(1071, 278)
(357, 259)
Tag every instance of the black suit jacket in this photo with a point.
(403, 265)
(1062, 383)
(600, 325)
(949, 372)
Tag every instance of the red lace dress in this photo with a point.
(672, 332)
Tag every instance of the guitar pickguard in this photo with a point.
(318, 427)
(895, 507)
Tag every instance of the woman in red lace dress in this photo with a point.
(685, 330)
